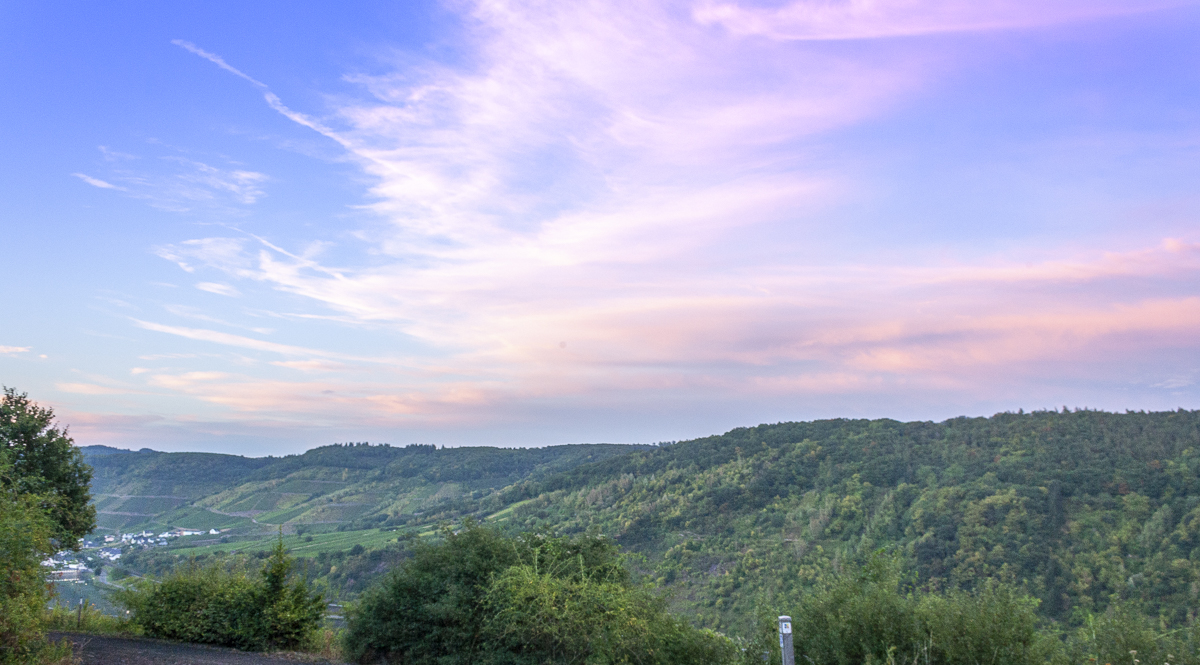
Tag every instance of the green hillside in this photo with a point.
(351, 485)
(1081, 508)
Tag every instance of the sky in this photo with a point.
(257, 228)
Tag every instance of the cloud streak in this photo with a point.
(229, 339)
(215, 59)
(95, 182)
(183, 184)
(219, 289)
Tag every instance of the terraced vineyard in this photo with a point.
(357, 485)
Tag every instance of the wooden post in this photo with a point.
(785, 640)
(79, 619)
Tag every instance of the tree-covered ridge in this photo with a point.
(149, 472)
(349, 484)
(1079, 507)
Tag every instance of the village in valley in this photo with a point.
(95, 551)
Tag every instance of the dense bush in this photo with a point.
(481, 598)
(539, 617)
(25, 532)
(212, 605)
(1123, 636)
(866, 615)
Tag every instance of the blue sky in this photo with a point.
(261, 228)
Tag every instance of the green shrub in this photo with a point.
(432, 607)
(994, 625)
(25, 531)
(214, 606)
(478, 597)
(539, 617)
(858, 616)
(1123, 636)
(864, 616)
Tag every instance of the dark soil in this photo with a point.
(108, 650)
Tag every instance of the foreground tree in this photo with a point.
(25, 531)
(44, 463)
(44, 506)
(478, 597)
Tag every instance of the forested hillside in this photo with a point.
(1080, 508)
(342, 484)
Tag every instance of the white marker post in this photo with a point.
(785, 640)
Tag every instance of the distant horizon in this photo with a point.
(250, 228)
(654, 444)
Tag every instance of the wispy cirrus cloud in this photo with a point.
(96, 182)
(77, 388)
(632, 200)
(215, 59)
(219, 289)
(229, 339)
(178, 183)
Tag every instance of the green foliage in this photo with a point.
(290, 612)
(1081, 510)
(479, 597)
(1078, 508)
(995, 624)
(432, 607)
(1123, 636)
(87, 618)
(25, 531)
(865, 616)
(43, 502)
(856, 616)
(538, 617)
(45, 463)
(214, 605)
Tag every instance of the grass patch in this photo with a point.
(308, 545)
(507, 512)
(87, 618)
(192, 517)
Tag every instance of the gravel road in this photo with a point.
(106, 650)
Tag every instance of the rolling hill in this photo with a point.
(340, 485)
(1081, 508)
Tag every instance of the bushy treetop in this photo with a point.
(43, 461)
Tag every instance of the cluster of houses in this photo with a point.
(65, 572)
(149, 539)
(65, 568)
(109, 553)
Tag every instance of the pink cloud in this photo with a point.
(869, 19)
(559, 222)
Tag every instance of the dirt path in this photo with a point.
(105, 650)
